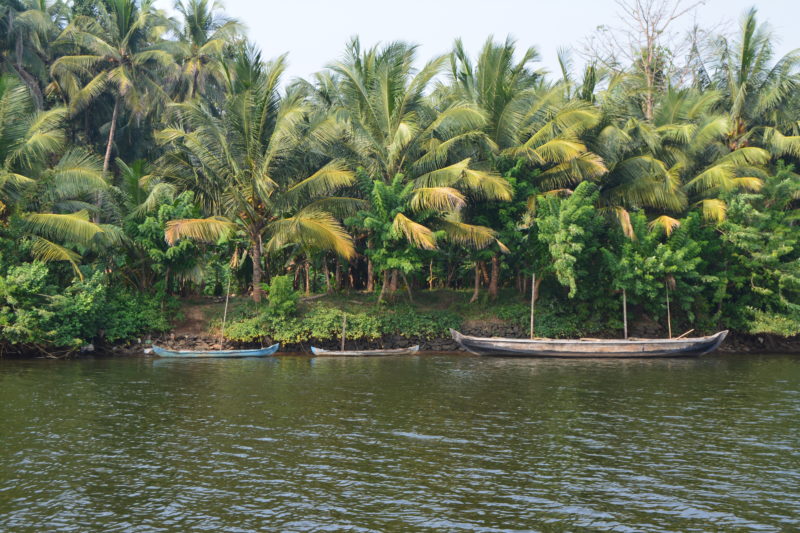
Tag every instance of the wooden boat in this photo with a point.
(364, 353)
(260, 352)
(597, 348)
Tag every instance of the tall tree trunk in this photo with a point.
(327, 275)
(477, 290)
(111, 132)
(384, 286)
(430, 275)
(337, 275)
(393, 281)
(256, 257)
(307, 271)
(408, 287)
(484, 272)
(370, 272)
(494, 280)
(298, 269)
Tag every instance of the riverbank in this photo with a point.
(197, 324)
(373, 326)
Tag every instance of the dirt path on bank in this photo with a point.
(195, 318)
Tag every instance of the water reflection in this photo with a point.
(400, 443)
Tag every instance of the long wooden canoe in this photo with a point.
(259, 352)
(365, 353)
(597, 348)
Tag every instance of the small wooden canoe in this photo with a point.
(364, 353)
(596, 348)
(260, 352)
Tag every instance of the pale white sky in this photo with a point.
(314, 32)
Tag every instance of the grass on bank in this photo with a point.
(287, 318)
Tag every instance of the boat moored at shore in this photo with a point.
(590, 348)
(190, 354)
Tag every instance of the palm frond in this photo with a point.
(437, 198)
(312, 230)
(73, 227)
(417, 234)
(210, 229)
(664, 223)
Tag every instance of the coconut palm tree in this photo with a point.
(199, 48)
(758, 90)
(525, 119)
(678, 160)
(245, 164)
(113, 54)
(29, 26)
(41, 182)
(394, 131)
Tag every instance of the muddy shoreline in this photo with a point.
(736, 343)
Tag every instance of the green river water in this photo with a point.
(429, 443)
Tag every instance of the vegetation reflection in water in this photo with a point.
(423, 443)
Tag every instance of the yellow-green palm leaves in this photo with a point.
(203, 34)
(246, 166)
(113, 54)
(524, 117)
(29, 141)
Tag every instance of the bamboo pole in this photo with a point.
(625, 312)
(533, 302)
(344, 328)
(669, 319)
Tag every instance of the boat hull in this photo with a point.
(188, 354)
(590, 348)
(364, 353)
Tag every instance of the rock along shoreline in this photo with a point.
(736, 343)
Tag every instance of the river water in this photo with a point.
(429, 443)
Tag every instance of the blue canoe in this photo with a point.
(260, 352)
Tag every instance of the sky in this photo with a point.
(314, 32)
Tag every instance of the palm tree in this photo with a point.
(244, 166)
(394, 131)
(113, 54)
(29, 27)
(758, 91)
(525, 119)
(201, 39)
(679, 159)
(30, 140)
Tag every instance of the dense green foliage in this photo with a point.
(144, 157)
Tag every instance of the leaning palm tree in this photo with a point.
(41, 183)
(394, 131)
(244, 164)
(113, 54)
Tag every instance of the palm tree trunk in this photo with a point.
(477, 290)
(337, 275)
(484, 272)
(370, 270)
(408, 287)
(494, 280)
(306, 270)
(384, 286)
(327, 275)
(111, 132)
(393, 281)
(256, 257)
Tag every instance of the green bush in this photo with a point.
(34, 311)
(325, 323)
